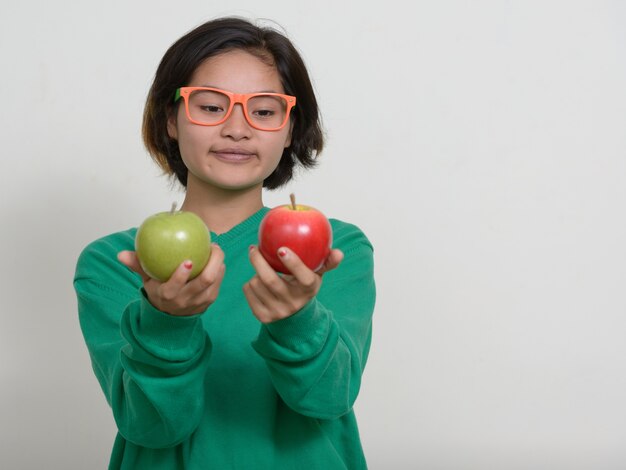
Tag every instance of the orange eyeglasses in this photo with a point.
(211, 106)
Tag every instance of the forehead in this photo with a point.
(238, 71)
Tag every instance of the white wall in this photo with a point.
(481, 146)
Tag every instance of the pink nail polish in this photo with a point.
(282, 252)
(188, 265)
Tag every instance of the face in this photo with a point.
(232, 155)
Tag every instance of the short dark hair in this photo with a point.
(210, 39)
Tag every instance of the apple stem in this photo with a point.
(292, 196)
(173, 208)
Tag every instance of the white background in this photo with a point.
(480, 145)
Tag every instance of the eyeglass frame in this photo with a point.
(235, 98)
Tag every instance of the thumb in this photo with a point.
(130, 260)
(334, 259)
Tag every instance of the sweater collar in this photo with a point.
(248, 225)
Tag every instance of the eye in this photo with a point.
(264, 113)
(266, 108)
(211, 108)
(208, 102)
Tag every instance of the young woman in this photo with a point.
(238, 368)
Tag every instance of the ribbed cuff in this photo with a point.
(168, 336)
(297, 337)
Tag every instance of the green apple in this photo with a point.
(166, 239)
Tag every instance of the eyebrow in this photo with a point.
(218, 88)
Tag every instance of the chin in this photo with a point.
(229, 181)
(236, 185)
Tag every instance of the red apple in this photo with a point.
(302, 229)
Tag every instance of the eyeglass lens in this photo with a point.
(210, 107)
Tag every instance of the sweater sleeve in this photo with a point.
(150, 365)
(316, 357)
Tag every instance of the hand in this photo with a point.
(180, 296)
(272, 297)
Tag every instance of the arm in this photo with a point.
(150, 365)
(316, 355)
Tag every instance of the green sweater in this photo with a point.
(219, 390)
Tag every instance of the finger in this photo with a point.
(265, 272)
(217, 257)
(170, 288)
(212, 273)
(298, 269)
(262, 292)
(258, 261)
(333, 260)
(130, 260)
(206, 293)
(258, 308)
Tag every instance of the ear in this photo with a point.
(172, 128)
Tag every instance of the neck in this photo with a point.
(222, 209)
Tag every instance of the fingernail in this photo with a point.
(282, 252)
(251, 247)
(188, 265)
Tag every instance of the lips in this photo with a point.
(233, 154)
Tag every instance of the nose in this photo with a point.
(236, 126)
